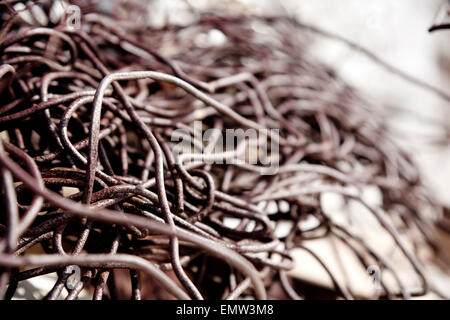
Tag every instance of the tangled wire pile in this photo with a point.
(88, 172)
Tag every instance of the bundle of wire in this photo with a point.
(89, 178)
